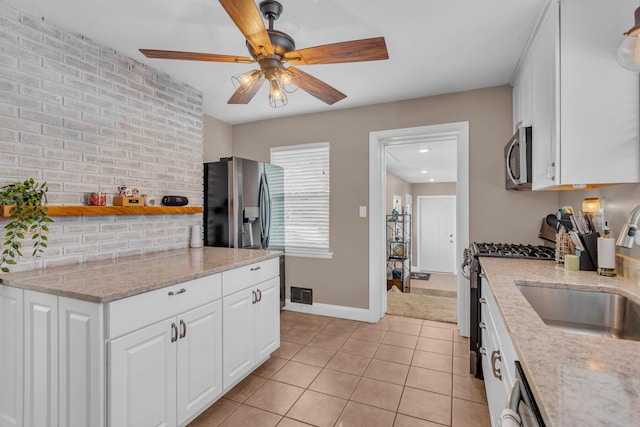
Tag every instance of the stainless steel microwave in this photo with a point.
(517, 155)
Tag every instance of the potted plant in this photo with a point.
(26, 203)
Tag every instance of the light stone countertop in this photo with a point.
(105, 281)
(577, 380)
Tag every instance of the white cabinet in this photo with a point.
(166, 373)
(40, 359)
(251, 328)
(582, 104)
(498, 355)
(11, 356)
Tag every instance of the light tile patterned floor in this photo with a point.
(399, 372)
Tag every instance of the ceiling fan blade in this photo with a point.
(352, 51)
(194, 56)
(316, 87)
(243, 95)
(247, 18)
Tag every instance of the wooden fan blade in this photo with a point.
(352, 51)
(316, 87)
(243, 95)
(247, 18)
(194, 56)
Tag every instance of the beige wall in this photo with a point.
(496, 214)
(618, 201)
(217, 139)
(396, 186)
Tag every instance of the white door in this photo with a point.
(267, 319)
(238, 335)
(199, 378)
(437, 233)
(11, 357)
(142, 377)
(41, 359)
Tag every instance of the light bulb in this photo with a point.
(245, 80)
(277, 98)
(629, 53)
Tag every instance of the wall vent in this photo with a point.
(302, 295)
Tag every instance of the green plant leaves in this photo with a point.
(27, 217)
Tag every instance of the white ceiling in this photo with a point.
(435, 46)
(408, 162)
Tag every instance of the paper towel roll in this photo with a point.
(196, 236)
(606, 252)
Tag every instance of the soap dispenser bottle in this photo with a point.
(606, 253)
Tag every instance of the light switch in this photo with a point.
(363, 211)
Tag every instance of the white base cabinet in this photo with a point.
(11, 357)
(155, 359)
(498, 355)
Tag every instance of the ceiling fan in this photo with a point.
(271, 49)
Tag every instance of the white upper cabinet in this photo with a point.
(583, 106)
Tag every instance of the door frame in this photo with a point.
(419, 223)
(457, 133)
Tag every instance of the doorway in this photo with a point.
(455, 133)
(436, 234)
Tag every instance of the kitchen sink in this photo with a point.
(585, 312)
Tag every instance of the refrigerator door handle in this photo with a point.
(265, 211)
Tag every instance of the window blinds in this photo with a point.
(306, 190)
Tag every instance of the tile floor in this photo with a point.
(400, 372)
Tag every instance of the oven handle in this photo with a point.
(513, 400)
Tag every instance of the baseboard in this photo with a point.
(342, 312)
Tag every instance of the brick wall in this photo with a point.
(84, 118)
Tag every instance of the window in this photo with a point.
(306, 204)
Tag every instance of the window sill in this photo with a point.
(319, 255)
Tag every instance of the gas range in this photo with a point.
(507, 250)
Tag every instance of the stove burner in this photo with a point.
(505, 250)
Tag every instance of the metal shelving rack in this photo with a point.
(399, 251)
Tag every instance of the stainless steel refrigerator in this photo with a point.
(243, 204)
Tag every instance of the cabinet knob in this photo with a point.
(482, 325)
(482, 300)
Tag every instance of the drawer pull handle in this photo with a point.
(482, 300)
(255, 297)
(259, 295)
(174, 332)
(496, 356)
(255, 268)
(183, 329)
(482, 325)
(181, 291)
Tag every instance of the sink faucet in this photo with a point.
(630, 229)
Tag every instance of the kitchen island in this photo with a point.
(144, 340)
(576, 379)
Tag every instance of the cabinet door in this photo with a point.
(199, 379)
(544, 59)
(41, 359)
(142, 377)
(267, 318)
(11, 356)
(82, 361)
(238, 335)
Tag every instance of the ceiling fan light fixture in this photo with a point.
(245, 81)
(288, 80)
(628, 54)
(277, 96)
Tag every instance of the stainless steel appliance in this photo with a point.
(472, 271)
(244, 207)
(243, 204)
(518, 164)
(522, 407)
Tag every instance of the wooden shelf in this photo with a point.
(115, 210)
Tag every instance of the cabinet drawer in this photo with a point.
(249, 275)
(130, 314)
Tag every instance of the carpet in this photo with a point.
(419, 306)
(420, 276)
